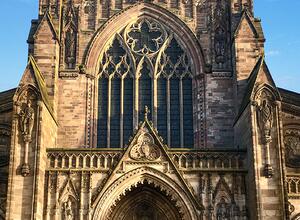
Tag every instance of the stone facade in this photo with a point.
(244, 160)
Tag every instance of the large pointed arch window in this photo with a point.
(145, 65)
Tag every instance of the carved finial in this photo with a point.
(147, 111)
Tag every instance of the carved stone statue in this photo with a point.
(265, 123)
(68, 210)
(220, 45)
(70, 48)
(27, 121)
(223, 212)
(265, 118)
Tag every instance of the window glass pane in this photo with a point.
(128, 108)
(115, 113)
(102, 112)
(187, 113)
(162, 108)
(175, 112)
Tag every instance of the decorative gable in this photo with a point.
(146, 160)
(45, 29)
(246, 27)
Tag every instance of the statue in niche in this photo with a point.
(220, 45)
(266, 118)
(265, 123)
(68, 210)
(223, 212)
(70, 48)
(27, 120)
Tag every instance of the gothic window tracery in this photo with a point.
(145, 65)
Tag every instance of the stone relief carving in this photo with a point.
(26, 112)
(265, 112)
(145, 149)
(292, 147)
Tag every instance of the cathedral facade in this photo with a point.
(148, 110)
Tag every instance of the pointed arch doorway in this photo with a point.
(145, 202)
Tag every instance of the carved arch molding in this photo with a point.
(144, 192)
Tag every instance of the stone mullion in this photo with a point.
(168, 112)
(122, 112)
(136, 102)
(154, 102)
(108, 111)
(181, 112)
(81, 195)
(57, 206)
(89, 216)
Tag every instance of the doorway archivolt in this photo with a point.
(146, 202)
(145, 192)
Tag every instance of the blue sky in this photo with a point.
(280, 19)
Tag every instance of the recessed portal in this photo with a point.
(146, 202)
